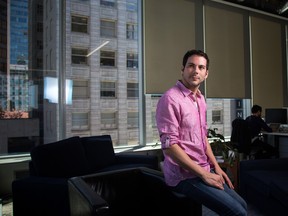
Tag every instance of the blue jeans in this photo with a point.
(223, 202)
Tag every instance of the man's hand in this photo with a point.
(217, 179)
(214, 180)
(224, 176)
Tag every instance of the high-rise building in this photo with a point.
(105, 80)
(3, 53)
(17, 75)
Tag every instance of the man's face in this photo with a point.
(194, 72)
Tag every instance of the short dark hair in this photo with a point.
(195, 52)
(255, 108)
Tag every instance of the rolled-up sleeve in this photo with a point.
(167, 120)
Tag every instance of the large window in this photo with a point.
(132, 60)
(132, 5)
(79, 56)
(110, 3)
(119, 68)
(108, 89)
(132, 90)
(79, 24)
(132, 120)
(107, 58)
(80, 121)
(108, 120)
(108, 28)
(80, 89)
(131, 31)
(217, 117)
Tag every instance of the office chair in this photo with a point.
(241, 137)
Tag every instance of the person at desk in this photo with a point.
(256, 125)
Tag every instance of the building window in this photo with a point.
(131, 5)
(79, 24)
(80, 121)
(131, 31)
(132, 60)
(107, 28)
(79, 56)
(108, 120)
(132, 90)
(217, 117)
(109, 3)
(80, 89)
(107, 58)
(108, 89)
(132, 120)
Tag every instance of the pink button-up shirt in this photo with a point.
(181, 120)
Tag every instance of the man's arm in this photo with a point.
(218, 169)
(184, 161)
(264, 126)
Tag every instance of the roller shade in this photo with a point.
(267, 62)
(169, 31)
(225, 45)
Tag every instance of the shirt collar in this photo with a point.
(186, 92)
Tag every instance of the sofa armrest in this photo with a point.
(151, 161)
(84, 201)
(132, 191)
(40, 196)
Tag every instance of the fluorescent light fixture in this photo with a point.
(97, 48)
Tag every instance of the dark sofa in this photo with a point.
(45, 191)
(264, 184)
(135, 191)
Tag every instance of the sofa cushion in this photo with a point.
(261, 180)
(99, 151)
(62, 159)
(279, 191)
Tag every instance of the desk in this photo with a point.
(279, 140)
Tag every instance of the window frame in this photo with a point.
(132, 5)
(78, 26)
(131, 31)
(81, 126)
(217, 114)
(106, 30)
(133, 61)
(107, 59)
(105, 123)
(107, 89)
(135, 90)
(133, 121)
(108, 3)
(80, 55)
(80, 86)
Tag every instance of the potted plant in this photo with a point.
(221, 148)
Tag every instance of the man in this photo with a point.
(189, 164)
(256, 125)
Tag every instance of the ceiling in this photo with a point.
(276, 7)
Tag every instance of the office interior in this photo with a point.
(247, 48)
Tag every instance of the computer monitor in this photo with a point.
(276, 115)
